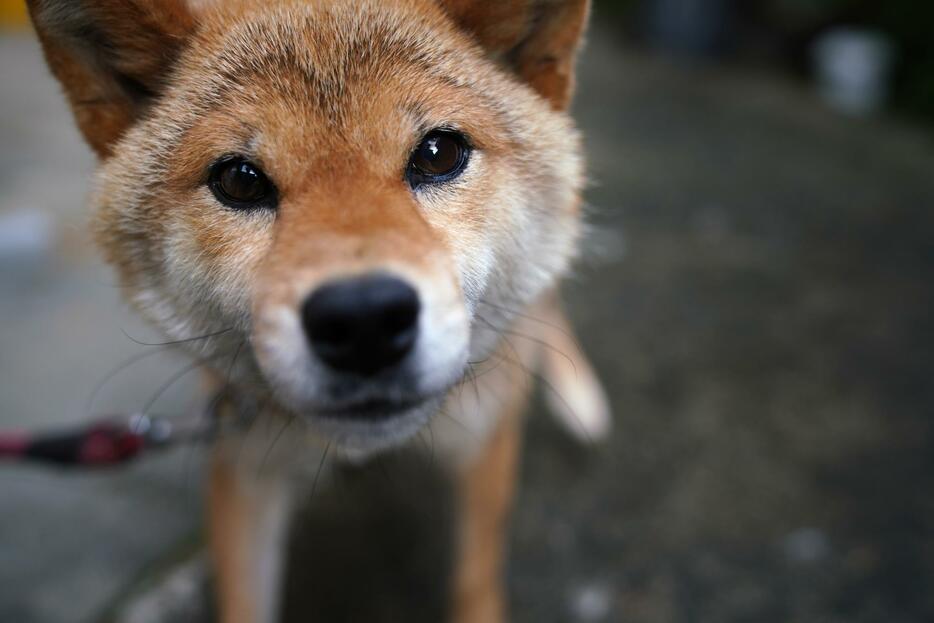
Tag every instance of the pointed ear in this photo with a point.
(537, 38)
(111, 56)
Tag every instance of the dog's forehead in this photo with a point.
(314, 81)
(329, 48)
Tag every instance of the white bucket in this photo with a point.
(853, 69)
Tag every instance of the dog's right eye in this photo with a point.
(240, 184)
(441, 156)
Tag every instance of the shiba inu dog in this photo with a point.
(355, 213)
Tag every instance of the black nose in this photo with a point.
(362, 325)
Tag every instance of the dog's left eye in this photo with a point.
(240, 184)
(441, 156)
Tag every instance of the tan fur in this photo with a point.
(330, 97)
(539, 38)
(488, 483)
(230, 519)
(92, 47)
(247, 520)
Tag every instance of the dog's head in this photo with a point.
(329, 190)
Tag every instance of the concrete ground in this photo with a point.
(70, 541)
(756, 295)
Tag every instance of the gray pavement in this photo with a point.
(756, 295)
(70, 541)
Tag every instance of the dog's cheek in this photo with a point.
(542, 198)
(471, 249)
(466, 219)
(212, 258)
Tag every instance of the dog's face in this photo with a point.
(332, 192)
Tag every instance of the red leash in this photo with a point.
(101, 444)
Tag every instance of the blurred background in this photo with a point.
(756, 295)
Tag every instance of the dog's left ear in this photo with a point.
(538, 39)
(111, 56)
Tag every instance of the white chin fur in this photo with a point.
(358, 439)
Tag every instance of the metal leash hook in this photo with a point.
(108, 442)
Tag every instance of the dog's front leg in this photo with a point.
(487, 490)
(486, 487)
(248, 516)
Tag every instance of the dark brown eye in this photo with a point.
(441, 156)
(240, 184)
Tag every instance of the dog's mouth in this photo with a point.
(343, 366)
(373, 423)
(372, 409)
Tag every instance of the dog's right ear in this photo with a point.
(111, 56)
(537, 39)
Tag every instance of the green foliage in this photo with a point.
(909, 23)
(620, 7)
(808, 9)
